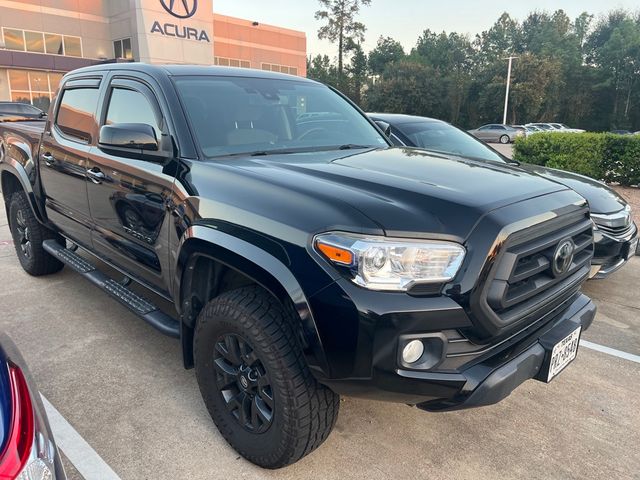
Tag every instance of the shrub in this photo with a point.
(603, 156)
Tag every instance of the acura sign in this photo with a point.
(181, 9)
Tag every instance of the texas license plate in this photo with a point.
(563, 353)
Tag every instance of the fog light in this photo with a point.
(412, 352)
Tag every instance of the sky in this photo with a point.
(405, 20)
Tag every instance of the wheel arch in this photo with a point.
(211, 262)
(10, 183)
(17, 173)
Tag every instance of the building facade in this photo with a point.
(40, 40)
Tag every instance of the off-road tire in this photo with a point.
(304, 411)
(37, 261)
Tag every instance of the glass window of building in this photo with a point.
(13, 39)
(34, 41)
(33, 86)
(19, 80)
(231, 62)
(40, 91)
(72, 46)
(53, 43)
(122, 49)
(39, 42)
(280, 68)
(39, 81)
(54, 81)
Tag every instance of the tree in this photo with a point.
(320, 68)
(358, 71)
(407, 87)
(614, 47)
(452, 56)
(387, 51)
(341, 25)
(503, 38)
(577, 71)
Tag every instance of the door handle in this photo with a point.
(48, 159)
(96, 175)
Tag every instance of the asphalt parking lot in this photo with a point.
(120, 385)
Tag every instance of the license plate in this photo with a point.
(563, 353)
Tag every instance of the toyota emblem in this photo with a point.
(563, 257)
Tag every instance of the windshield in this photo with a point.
(444, 138)
(238, 115)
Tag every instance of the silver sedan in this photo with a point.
(496, 132)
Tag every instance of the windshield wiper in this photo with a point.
(354, 146)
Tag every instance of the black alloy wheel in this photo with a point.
(23, 235)
(244, 383)
(28, 235)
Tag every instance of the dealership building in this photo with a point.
(40, 40)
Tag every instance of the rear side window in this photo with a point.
(76, 114)
(8, 108)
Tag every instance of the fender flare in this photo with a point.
(259, 265)
(23, 170)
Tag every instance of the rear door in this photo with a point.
(127, 194)
(63, 155)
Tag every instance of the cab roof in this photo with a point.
(177, 70)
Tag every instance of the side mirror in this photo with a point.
(43, 114)
(385, 127)
(129, 136)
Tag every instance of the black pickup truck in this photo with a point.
(305, 256)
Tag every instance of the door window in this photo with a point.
(76, 114)
(131, 106)
(12, 109)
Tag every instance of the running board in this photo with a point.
(134, 302)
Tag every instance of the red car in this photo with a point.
(27, 448)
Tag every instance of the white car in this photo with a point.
(528, 129)
(555, 127)
(563, 128)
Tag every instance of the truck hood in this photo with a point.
(405, 192)
(602, 199)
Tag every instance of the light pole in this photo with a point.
(506, 97)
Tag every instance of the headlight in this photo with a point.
(380, 263)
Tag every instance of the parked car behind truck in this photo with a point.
(27, 447)
(615, 233)
(306, 257)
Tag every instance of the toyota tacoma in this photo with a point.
(305, 256)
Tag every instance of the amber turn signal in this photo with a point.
(336, 254)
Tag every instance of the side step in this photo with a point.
(134, 302)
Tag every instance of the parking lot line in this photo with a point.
(610, 351)
(84, 458)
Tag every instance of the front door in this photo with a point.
(127, 194)
(63, 157)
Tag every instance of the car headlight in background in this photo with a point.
(381, 263)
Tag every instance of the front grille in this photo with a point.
(621, 231)
(523, 286)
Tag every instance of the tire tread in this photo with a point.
(312, 408)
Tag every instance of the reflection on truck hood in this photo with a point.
(401, 189)
(601, 198)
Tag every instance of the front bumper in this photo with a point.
(612, 253)
(483, 380)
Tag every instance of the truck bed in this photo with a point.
(21, 131)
